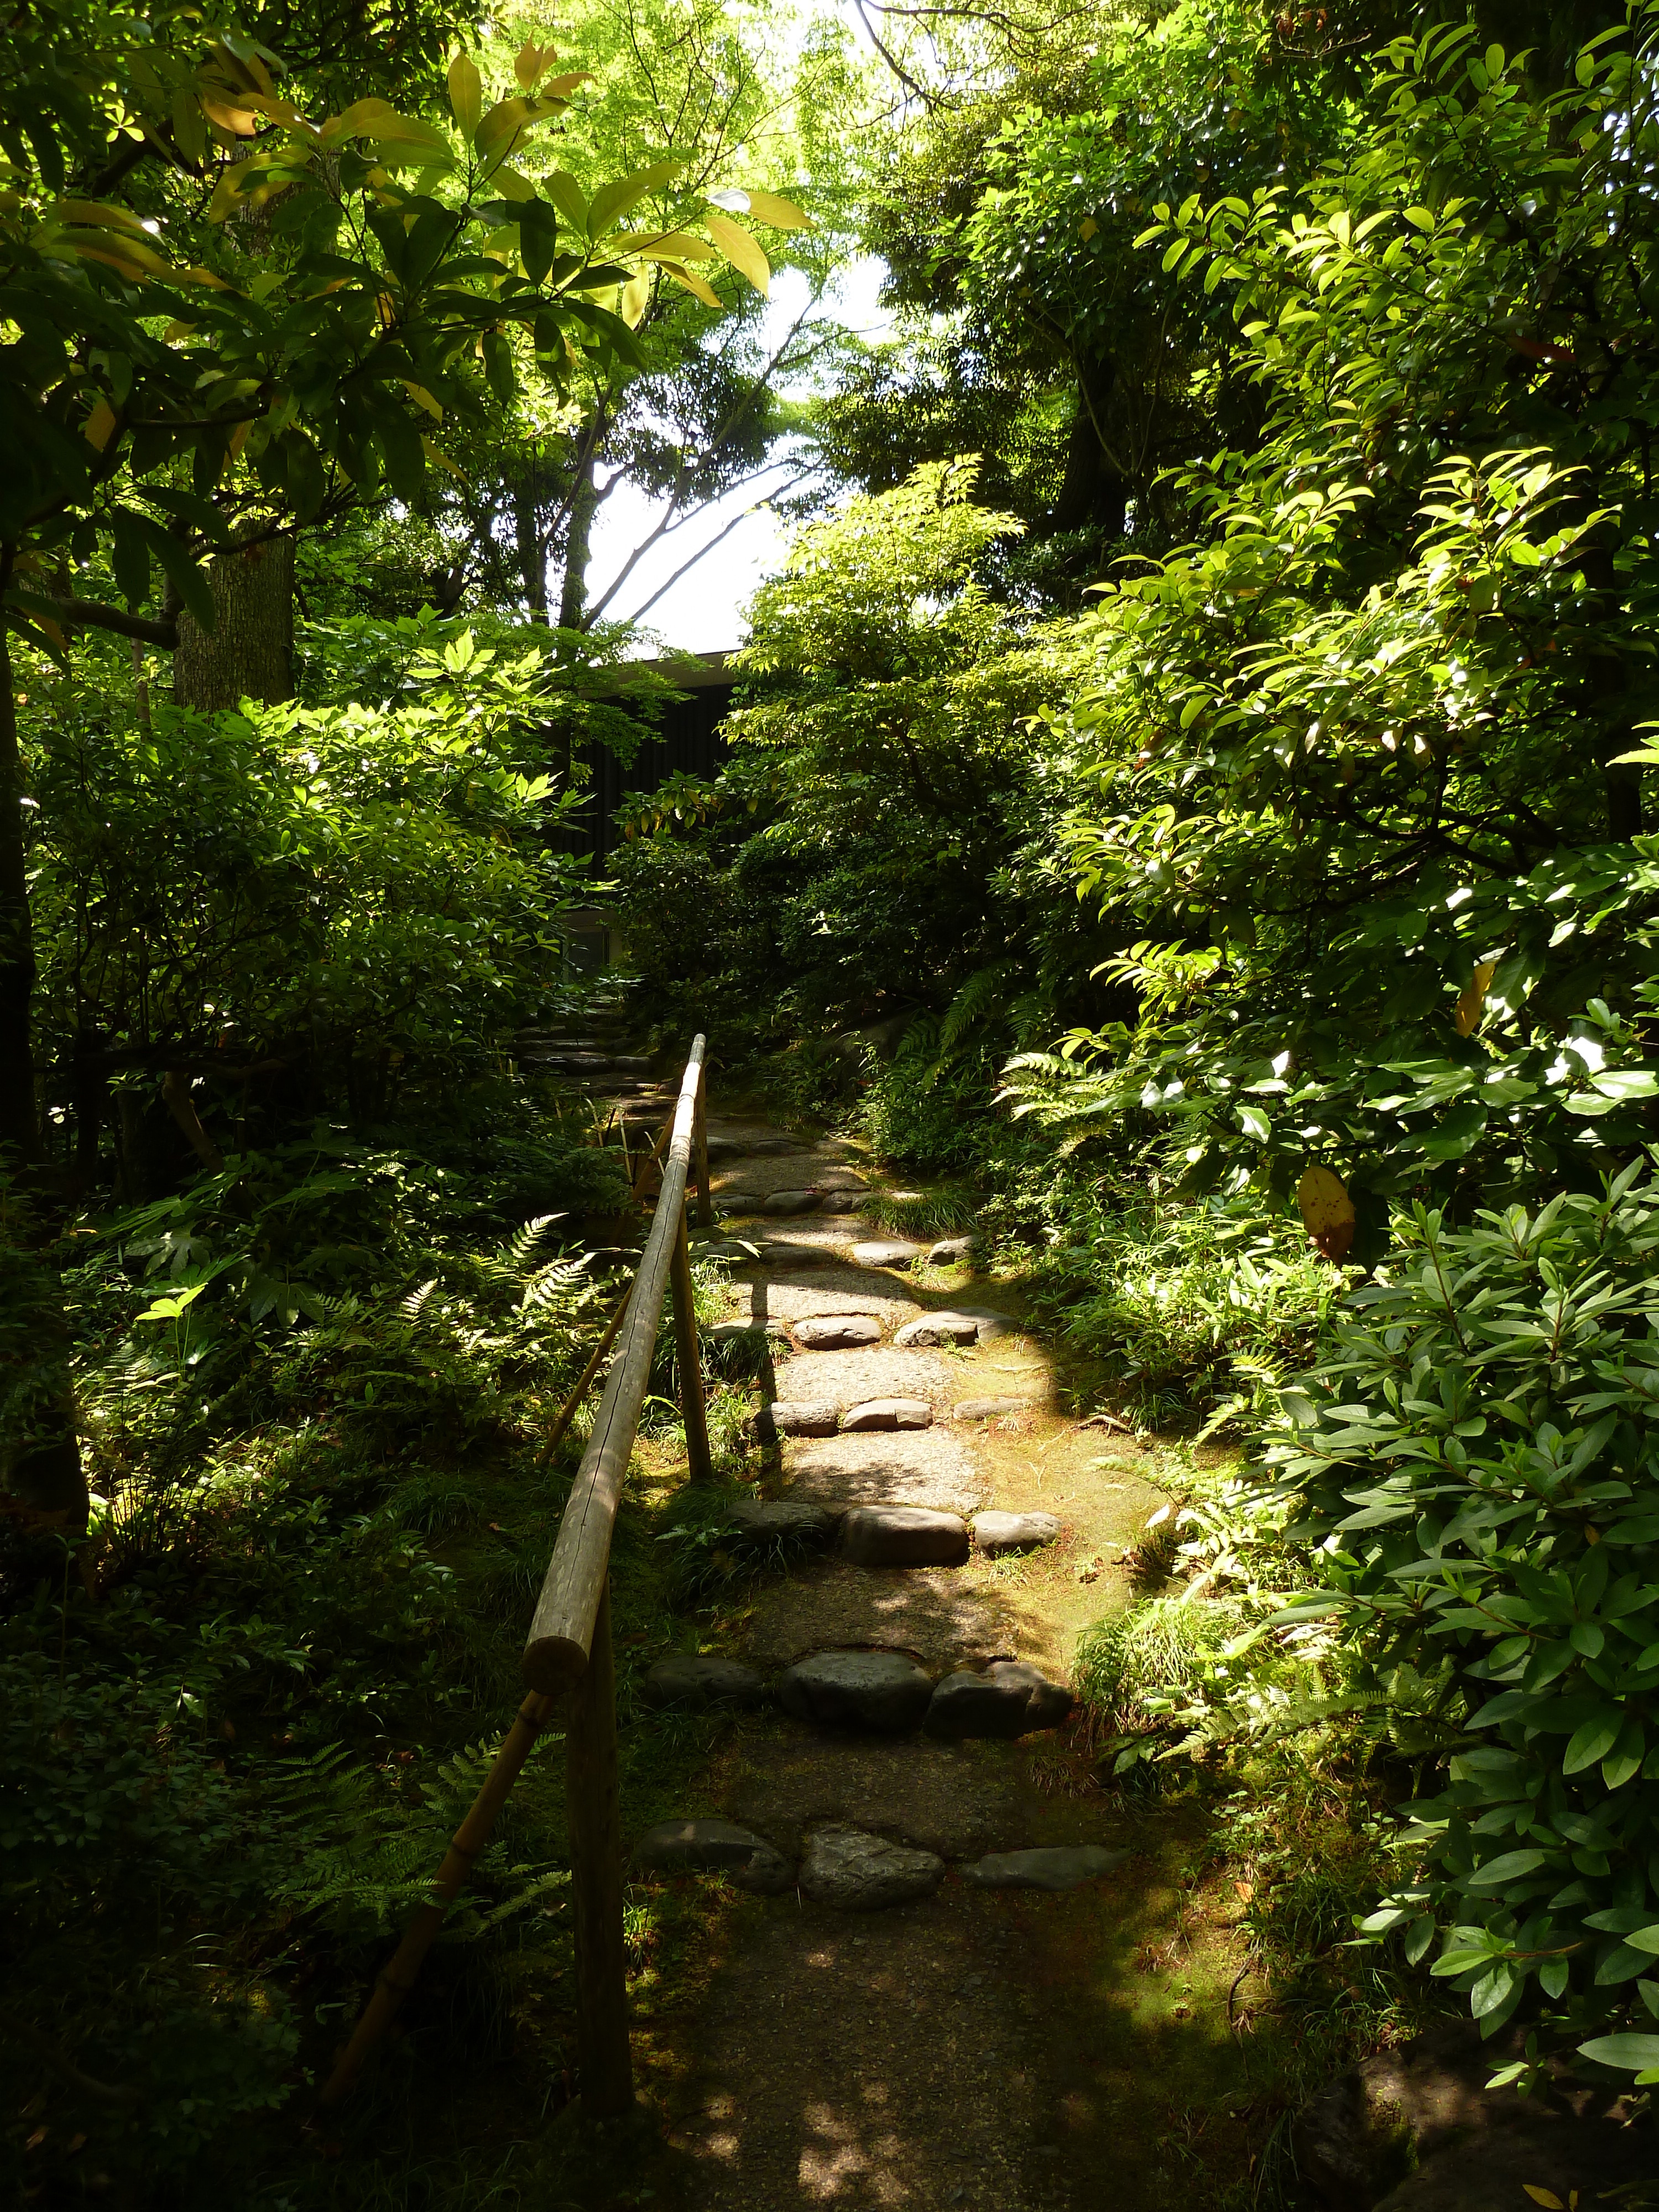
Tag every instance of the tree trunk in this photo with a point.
(584, 505)
(45, 1469)
(18, 1128)
(249, 654)
(532, 555)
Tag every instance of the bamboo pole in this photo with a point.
(699, 1154)
(556, 1652)
(593, 1796)
(396, 1977)
(693, 1405)
(567, 1411)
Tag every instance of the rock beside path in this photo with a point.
(938, 1329)
(799, 1416)
(858, 1873)
(995, 1534)
(1052, 1867)
(882, 1690)
(766, 1521)
(789, 1201)
(676, 1847)
(837, 1332)
(902, 1536)
(1010, 1699)
(952, 1252)
(706, 1680)
(991, 1323)
(887, 1252)
(887, 1413)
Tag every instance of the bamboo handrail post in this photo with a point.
(396, 1977)
(593, 1796)
(700, 1155)
(689, 1355)
(569, 1410)
(555, 1652)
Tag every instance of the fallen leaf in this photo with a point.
(1327, 1211)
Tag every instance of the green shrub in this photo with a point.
(1190, 1308)
(1473, 1485)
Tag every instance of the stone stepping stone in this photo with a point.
(842, 1201)
(1055, 1866)
(887, 1413)
(938, 1329)
(902, 1536)
(799, 1416)
(795, 1256)
(715, 1847)
(858, 1873)
(1010, 1699)
(774, 1520)
(950, 1252)
(997, 1533)
(684, 1680)
(887, 1691)
(986, 1409)
(837, 1332)
(886, 1252)
(992, 1323)
(789, 1201)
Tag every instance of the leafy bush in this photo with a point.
(1189, 1307)
(1472, 1483)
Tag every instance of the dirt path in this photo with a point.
(999, 2046)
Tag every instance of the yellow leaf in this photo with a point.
(689, 280)
(508, 120)
(434, 452)
(1547, 2198)
(1088, 228)
(529, 63)
(97, 216)
(1473, 997)
(1327, 1211)
(423, 397)
(741, 251)
(241, 122)
(661, 246)
(100, 425)
(780, 214)
(465, 92)
(238, 437)
(636, 299)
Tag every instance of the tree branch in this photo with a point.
(92, 614)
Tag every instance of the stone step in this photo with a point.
(852, 1870)
(902, 1536)
(889, 1693)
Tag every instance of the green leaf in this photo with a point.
(130, 557)
(1498, 1873)
(611, 202)
(538, 238)
(1628, 2053)
(1591, 1742)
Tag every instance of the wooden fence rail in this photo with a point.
(567, 1656)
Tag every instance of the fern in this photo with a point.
(367, 1847)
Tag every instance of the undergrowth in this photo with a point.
(238, 1724)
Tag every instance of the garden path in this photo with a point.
(967, 2043)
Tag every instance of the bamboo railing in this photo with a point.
(567, 1655)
